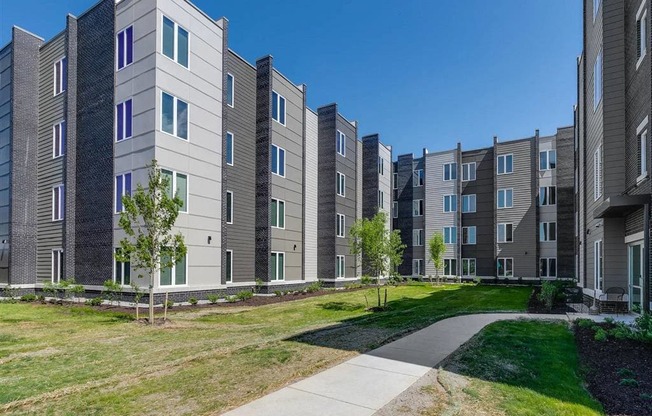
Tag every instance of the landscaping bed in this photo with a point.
(535, 305)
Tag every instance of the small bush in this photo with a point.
(352, 286)
(626, 373)
(112, 290)
(30, 297)
(609, 320)
(278, 293)
(548, 293)
(621, 331)
(169, 304)
(193, 301)
(41, 298)
(367, 280)
(584, 323)
(600, 335)
(314, 287)
(628, 382)
(231, 299)
(244, 295)
(646, 396)
(259, 285)
(10, 292)
(94, 301)
(212, 298)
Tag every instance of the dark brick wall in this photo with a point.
(404, 223)
(263, 171)
(565, 202)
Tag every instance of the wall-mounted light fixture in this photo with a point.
(210, 239)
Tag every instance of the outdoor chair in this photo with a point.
(615, 294)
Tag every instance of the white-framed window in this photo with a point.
(125, 47)
(641, 132)
(341, 184)
(122, 188)
(450, 171)
(450, 267)
(505, 164)
(468, 267)
(450, 203)
(124, 119)
(177, 275)
(547, 159)
(57, 265)
(419, 178)
(395, 209)
(417, 267)
(229, 148)
(230, 90)
(547, 231)
(341, 264)
(175, 42)
(59, 139)
(417, 238)
(598, 275)
(341, 225)
(229, 207)
(277, 212)
(229, 266)
(177, 186)
(468, 172)
(547, 195)
(597, 173)
(641, 33)
(468, 235)
(278, 108)
(505, 233)
(395, 180)
(381, 199)
(417, 208)
(340, 143)
(121, 271)
(381, 166)
(450, 235)
(277, 266)
(58, 203)
(597, 81)
(505, 267)
(174, 116)
(60, 76)
(278, 160)
(505, 198)
(548, 267)
(468, 203)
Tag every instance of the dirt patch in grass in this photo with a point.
(618, 372)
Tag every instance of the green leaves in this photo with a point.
(436, 249)
(380, 248)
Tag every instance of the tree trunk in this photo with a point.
(151, 298)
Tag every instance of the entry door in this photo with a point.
(635, 277)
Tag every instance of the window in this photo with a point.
(395, 209)
(468, 267)
(122, 271)
(340, 266)
(381, 199)
(60, 76)
(229, 207)
(641, 33)
(505, 198)
(122, 188)
(124, 120)
(505, 267)
(58, 203)
(468, 235)
(548, 267)
(450, 267)
(57, 265)
(341, 184)
(230, 89)
(125, 47)
(450, 235)
(59, 139)
(598, 265)
(596, 7)
(547, 231)
(417, 238)
(417, 208)
(341, 224)
(175, 42)
(547, 195)
(277, 266)
(450, 203)
(395, 180)
(505, 164)
(278, 213)
(175, 275)
(468, 203)
(229, 266)
(381, 166)
(450, 171)
(641, 132)
(417, 267)
(278, 108)
(597, 81)
(179, 183)
(174, 116)
(418, 177)
(229, 148)
(468, 172)
(597, 173)
(505, 233)
(547, 160)
(340, 143)
(278, 160)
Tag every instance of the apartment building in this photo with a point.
(612, 154)
(497, 209)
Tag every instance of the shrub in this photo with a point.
(169, 304)
(584, 323)
(10, 292)
(259, 285)
(477, 280)
(111, 290)
(314, 287)
(629, 382)
(621, 331)
(626, 373)
(646, 396)
(212, 298)
(548, 293)
(244, 295)
(367, 280)
(600, 335)
(278, 293)
(94, 301)
(643, 327)
(352, 286)
(193, 301)
(231, 298)
(30, 297)
(41, 298)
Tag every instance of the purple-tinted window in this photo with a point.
(125, 45)
(124, 120)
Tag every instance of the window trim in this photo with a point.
(340, 177)
(598, 186)
(395, 180)
(504, 224)
(62, 125)
(174, 187)
(475, 203)
(394, 209)
(468, 165)
(175, 118)
(381, 166)
(115, 270)
(176, 41)
(598, 278)
(475, 235)
(641, 132)
(60, 252)
(450, 266)
(475, 266)
(228, 279)
(504, 190)
(418, 242)
(117, 48)
(598, 58)
(452, 172)
(115, 189)
(547, 195)
(64, 87)
(340, 141)
(173, 273)
(547, 226)
(62, 202)
(548, 167)
(340, 225)
(504, 259)
(278, 106)
(232, 148)
(548, 268)
(420, 267)
(277, 268)
(420, 205)
(641, 16)
(232, 103)
(381, 199)
(504, 156)
(124, 113)
(277, 214)
(451, 198)
(452, 234)
(229, 206)
(418, 178)
(339, 274)
(278, 149)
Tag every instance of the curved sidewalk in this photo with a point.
(364, 384)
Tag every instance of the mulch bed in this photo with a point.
(534, 305)
(602, 361)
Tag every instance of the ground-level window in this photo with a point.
(340, 266)
(229, 266)
(417, 267)
(598, 265)
(548, 267)
(468, 267)
(57, 265)
(122, 271)
(505, 267)
(450, 267)
(175, 275)
(277, 266)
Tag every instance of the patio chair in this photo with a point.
(614, 294)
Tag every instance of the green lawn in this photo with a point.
(61, 360)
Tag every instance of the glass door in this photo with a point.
(635, 277)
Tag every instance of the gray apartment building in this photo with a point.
(612, 187)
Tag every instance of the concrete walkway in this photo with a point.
(366, 383)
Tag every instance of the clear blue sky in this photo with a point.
(422, 73)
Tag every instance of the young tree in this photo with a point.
(147, 220)
(436, 248)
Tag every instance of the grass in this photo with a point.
(60, 360)
(524, 368)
